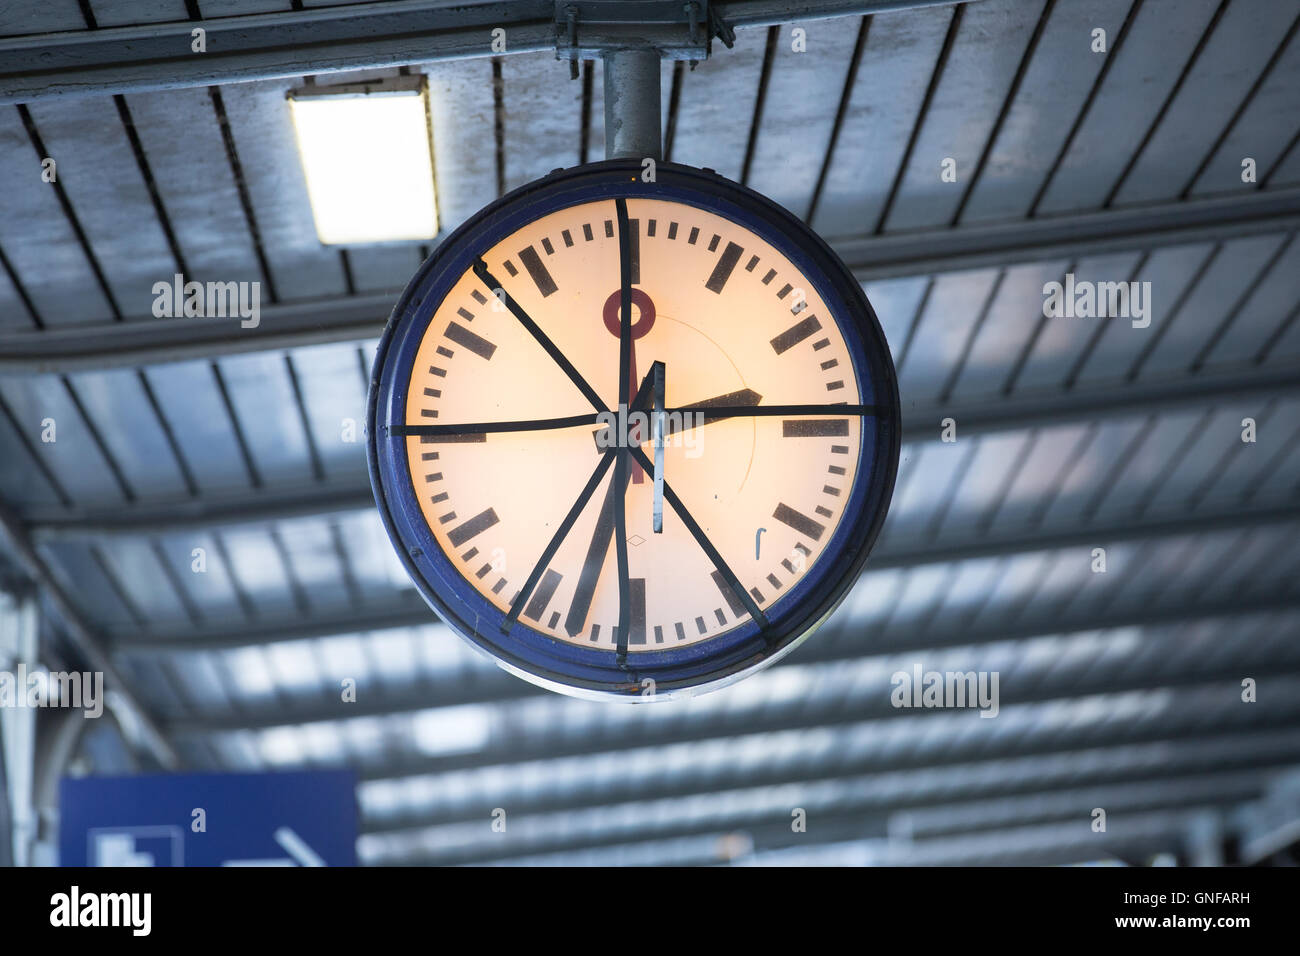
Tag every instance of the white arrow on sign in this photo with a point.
(300, 854)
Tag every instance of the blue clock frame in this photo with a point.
(591, 672)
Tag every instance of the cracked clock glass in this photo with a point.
(633, 439)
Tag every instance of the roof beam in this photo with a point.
(83, 636)
(1071, 236)
(1113, 531)
(408, 611)
(895, 790)
(151, 341)
(1038, 409)
(294, 43)
(1280, 714)
(857, 816)
(1045, 844)
(419, 700)
(147, 341)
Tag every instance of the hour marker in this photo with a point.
(550, 249)
(454, 439)
(540, 276)
(796, 334)
(695, 234)
(636, 617)
(474, 526)
(510, 268)
(567, 237)
(542, 596)
(634, 250)
(475, 343)
(800, 522)
(465, 314)
(814, 427)
(722, 271)
(713, 243)
(728, 595)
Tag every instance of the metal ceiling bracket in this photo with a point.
(674, 29)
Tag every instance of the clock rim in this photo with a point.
(702, 666)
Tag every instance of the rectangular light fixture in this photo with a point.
(367, 157)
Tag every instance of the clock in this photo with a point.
(633, 439)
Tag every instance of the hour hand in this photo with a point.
(744, 398)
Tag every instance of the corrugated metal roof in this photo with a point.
(1119, 689)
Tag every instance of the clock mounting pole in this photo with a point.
(632, 111)
(631, 37)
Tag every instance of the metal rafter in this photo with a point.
(919, 424)
(147, 341)
(317, 40)
(860, 818)
(1180, 722)
(897, 789)
(496, 685)
(822, 714)
(83, 635)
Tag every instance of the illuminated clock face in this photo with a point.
(633, 438)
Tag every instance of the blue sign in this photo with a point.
(210, 819)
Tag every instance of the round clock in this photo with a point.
(633, 439)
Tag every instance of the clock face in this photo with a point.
(631, 438)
